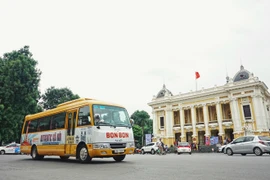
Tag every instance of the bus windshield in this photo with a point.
(111, 116)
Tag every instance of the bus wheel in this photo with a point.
(119, 158)
(83, 154)
(35, 155)
(64, 157)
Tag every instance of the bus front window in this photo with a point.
(111, 116)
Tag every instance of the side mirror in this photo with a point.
(131, 122)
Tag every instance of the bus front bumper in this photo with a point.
(110, 152)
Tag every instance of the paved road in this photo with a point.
(209, 166)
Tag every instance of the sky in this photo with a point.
(124, 51)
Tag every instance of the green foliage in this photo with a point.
(19, 81)
(142, 121)
(148, 127)
(54, 96)
(137, 131)
(140, 117)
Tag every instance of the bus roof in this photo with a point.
(68, 106)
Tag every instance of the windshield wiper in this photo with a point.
(122, 125)
(105, 123)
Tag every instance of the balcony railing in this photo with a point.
(188, 126)
(248, 120)
(211, 122)
(200, 125)
(176, 127)
(226, 120)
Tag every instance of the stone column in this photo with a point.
(267, 115)
(264, 115)
(155, 122)
(169, 123)
(236, 116)
(193, 118)
(206, 120)
(258, 112)
(182, 123)
(219, 119)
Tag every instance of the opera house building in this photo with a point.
(239, 107)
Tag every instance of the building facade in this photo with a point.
(238, 108)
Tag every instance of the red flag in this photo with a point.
(197, 75)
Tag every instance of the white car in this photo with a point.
(221, 149)
(12, 148)
(150, 148)
(183, 147)
(250, 144)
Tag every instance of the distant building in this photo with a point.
(240, 107)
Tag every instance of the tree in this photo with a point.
(148, 128)
(141, 118)
(54, 96)
(137, 131)
(19, 94)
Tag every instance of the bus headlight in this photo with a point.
(130, 144)
(101, 146)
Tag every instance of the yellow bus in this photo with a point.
(83, 128)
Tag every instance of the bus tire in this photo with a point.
(83, 154)
(119, 158)
(35, 155)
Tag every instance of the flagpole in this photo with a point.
(196, 83)
(197, 75)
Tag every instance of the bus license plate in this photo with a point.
(119, 150)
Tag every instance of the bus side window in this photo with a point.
(44, 124)
(58, 121)
(86, 120)
(74, 122)
(84, 116)
(33, 126)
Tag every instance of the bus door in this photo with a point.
(70, 140)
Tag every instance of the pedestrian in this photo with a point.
(161, 147)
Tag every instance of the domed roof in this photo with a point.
(164, 92)
(241, 75)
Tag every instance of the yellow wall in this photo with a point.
(238, 135)
(262, 133)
